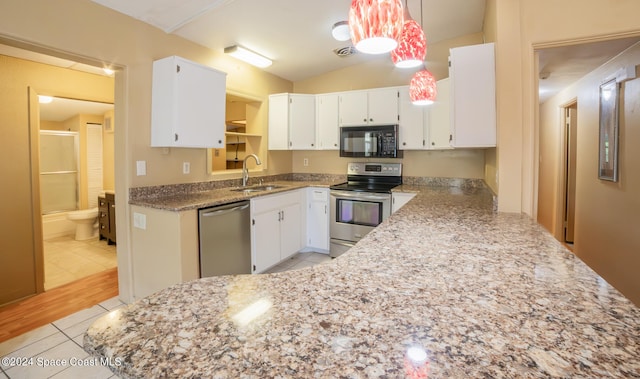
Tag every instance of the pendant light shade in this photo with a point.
(422, 89)
(375, 25)
(412, 46)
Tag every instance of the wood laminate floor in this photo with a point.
(39, 310)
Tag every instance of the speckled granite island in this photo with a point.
(445, 288)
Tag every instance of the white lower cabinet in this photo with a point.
(399, 199)
(277, 228)
(318, 219)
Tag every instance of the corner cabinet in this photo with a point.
(292, 121)
(277, 228)
(187, 104)
(473, 96)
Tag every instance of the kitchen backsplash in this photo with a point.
(188, 188)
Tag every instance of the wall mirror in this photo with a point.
(608, 155)
(243, 136)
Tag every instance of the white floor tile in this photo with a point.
(303, 264)
(81, 327)
(111, 304)
(37, 348)
(27, 338)
(43, 366)
(78, 317)
(93, 372)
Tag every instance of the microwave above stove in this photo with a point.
(379, 141)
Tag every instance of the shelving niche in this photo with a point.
(239, 137)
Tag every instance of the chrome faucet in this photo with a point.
(245, 172)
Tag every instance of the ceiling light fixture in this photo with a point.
(340, 31)
(42, 99)
(375, 25)
(423, 88)
(412, 45)
(248, 56)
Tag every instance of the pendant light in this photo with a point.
(423, 89)
(412, 45)
(375, 25)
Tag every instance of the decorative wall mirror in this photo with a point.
(608, 155)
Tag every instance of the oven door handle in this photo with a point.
(358, 196)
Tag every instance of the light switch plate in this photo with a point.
(141, 168)
(139, 220)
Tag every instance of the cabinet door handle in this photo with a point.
(371, 119)
(282, 215)
(175, 137)
(364, 119)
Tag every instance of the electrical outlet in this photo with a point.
(305, 162)
(186, 167)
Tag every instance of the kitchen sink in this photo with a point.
(256, 188)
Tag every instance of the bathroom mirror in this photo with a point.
(245, 128)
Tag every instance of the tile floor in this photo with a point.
(62, 339)
(66, 259)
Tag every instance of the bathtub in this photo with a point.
(57, 225)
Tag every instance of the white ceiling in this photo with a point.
(61, 109)
(296, 34)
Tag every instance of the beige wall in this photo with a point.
(19, 247)
(521, 26)
(606, 222)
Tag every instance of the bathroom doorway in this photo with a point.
(76, 167)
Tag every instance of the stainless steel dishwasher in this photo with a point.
(225, 239)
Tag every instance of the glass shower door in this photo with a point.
(58, 171)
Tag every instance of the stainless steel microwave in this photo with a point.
(380, 141)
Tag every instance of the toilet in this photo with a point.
(85, 221)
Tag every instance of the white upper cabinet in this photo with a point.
(473, 83)
(327, 133)
(187, 105)
(292, 121)
(412, 126)
(425, 126)
(369, 107)
(439, 124)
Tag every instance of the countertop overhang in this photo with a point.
(483, 294)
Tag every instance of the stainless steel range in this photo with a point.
(362, 203)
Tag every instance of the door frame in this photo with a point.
(563, 172)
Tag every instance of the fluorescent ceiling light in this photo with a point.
(248, 56)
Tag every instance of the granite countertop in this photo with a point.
(445, 287)
(203, 199)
